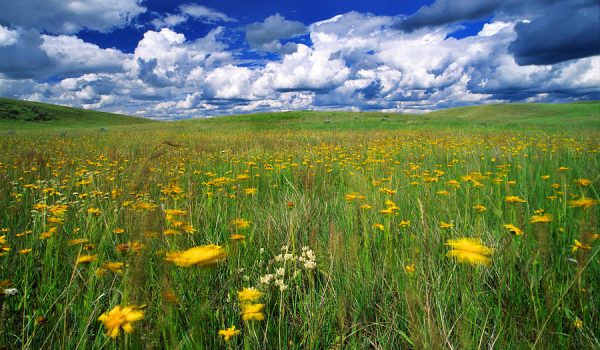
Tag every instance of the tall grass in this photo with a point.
(320, 189)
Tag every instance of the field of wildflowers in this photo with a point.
(149, 237)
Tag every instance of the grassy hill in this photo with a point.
(580, 115)
(17, 114)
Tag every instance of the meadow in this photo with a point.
(461, 229)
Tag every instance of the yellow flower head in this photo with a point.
(404, 223)
(241, 223)
(85, 259)
(583, 182)
(237, 237)
(229, 332)
(445, 225)
(249, 295)
(540, 219)
(120, 318)
(253, 312)
(479, 208)
(514, 199)
(578, 245)
(409, 268)
(201, 256)
(469, 250)
(582, 203)
(513, 229)
(379, 227)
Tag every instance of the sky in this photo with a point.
(191, 59)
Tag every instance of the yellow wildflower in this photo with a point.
(578, 245)
(540, 219)
(379, 227)
(229, 332)
(513, 229)
(514, 199)
(237, 237)
(251, 191)
(479, 208)
(409, 268)
(583, 182)
(253, 312)
(120, 318)
(201, 256)
(249, 295)
(404, 223)
(582, 203)
(241, 223)
(446, 225)
(469, 250)
(85, 259)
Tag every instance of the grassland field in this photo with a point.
(466, 228)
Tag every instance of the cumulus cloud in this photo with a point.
(188, 12)
(59, 16)
(266, 35)
(73, 56)
(578, 36)
(354, 61)
(31, 55)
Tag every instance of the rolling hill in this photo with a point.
(17, 114)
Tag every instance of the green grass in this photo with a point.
(319, 185)
(19, 115)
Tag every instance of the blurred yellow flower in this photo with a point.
(582, 203)
(85, 259)
(120, 318)
(379, 227)
(469, 250)
(479, 208)
(253, 312)
(249, 295)
(578, 245)
(514, 199)
(540, 219)
(241, 223)
(583, 182)
(201, 256)
(446, 225)
(513, 229)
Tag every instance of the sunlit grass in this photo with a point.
(148, 237)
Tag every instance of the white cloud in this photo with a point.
(59, 16)
(72, 55)
(204, 13)
(307, 69)
(188, 12)
(8, 37)
(355, 61)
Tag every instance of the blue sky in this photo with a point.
(181, 59)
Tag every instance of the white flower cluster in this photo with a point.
(288, 261)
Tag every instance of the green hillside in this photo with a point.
(580, 115)
(17, 114)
